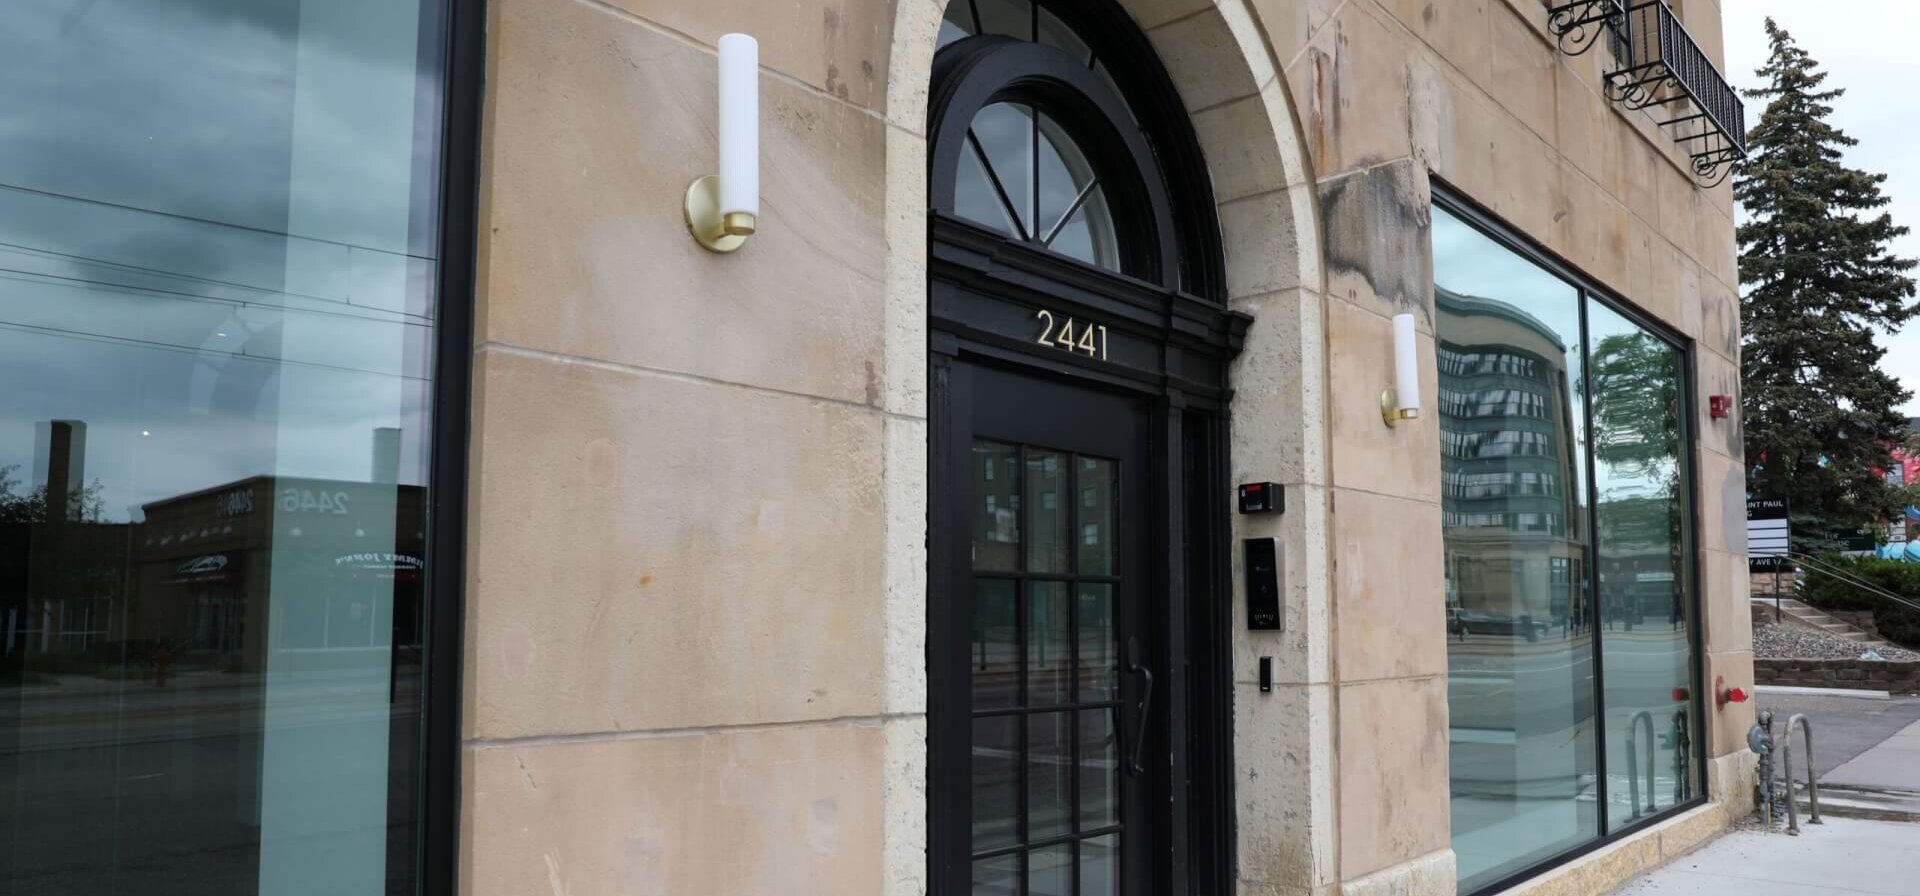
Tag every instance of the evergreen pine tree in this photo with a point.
(1819, 279)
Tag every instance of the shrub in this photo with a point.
(1896, 623)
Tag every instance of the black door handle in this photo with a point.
(1134, 764)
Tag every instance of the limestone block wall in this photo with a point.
(683, 672)
(1394, 95)
(696, 597)
(696, 600)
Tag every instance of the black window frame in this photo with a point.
(1457, 203)
(439, 844)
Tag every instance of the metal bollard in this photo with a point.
(1813, 783)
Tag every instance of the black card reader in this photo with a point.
(1263, 583)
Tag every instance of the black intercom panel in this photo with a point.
(1262, 497)
(1263, 583)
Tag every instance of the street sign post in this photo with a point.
(1768, 541)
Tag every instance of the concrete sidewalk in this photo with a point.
(1893, 764)
(1842, 857)
(1858, 746)
(1843, 727)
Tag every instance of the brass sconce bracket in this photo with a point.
(717, 232)
(1391, 411)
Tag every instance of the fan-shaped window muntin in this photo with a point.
(1023, 174)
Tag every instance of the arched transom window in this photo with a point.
(1024, 175)
(1039, 145)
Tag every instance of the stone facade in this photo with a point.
(696, 602)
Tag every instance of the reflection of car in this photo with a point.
(1481, 622)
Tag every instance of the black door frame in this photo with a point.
(1106, 423)
(1166, 345)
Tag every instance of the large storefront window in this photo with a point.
(1645, 553)
(217, 313)
(1568, 581)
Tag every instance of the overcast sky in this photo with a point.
(1867, 48)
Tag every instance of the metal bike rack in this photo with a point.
(1813, 783)
(1633, 765)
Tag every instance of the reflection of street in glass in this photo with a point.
(1566, 520)
(216, 319)
(150, 666)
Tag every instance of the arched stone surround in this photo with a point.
(1243, 115)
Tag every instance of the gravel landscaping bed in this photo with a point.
(1784, 642)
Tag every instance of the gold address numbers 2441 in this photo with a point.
(1079, 338)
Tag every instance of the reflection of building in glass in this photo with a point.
(192, 582)
(1510, 488)
(1640, 560)
(204, 563)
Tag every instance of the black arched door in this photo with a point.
(1075, 451)
(1055, 601)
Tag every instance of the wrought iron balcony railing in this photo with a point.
(1578, 25)
(1664, 70)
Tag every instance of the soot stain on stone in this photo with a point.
(1378, 227)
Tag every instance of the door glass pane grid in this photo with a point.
(1046, 751)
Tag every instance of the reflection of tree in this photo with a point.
(1635, 384)
(47, 563)
(1636, 391)
(1638, 522)
(31, 506)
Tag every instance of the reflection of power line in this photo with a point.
(404, 318)
(198, 352)
(174, 275)
(207, 221)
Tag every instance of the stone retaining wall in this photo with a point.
(1860, 619)
(1898, 677)
(1762, 584)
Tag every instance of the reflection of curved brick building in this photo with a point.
(1510, 486)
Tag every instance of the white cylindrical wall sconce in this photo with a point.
(724, 209)
(1401, 401)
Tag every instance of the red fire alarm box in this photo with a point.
(1720, 406)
